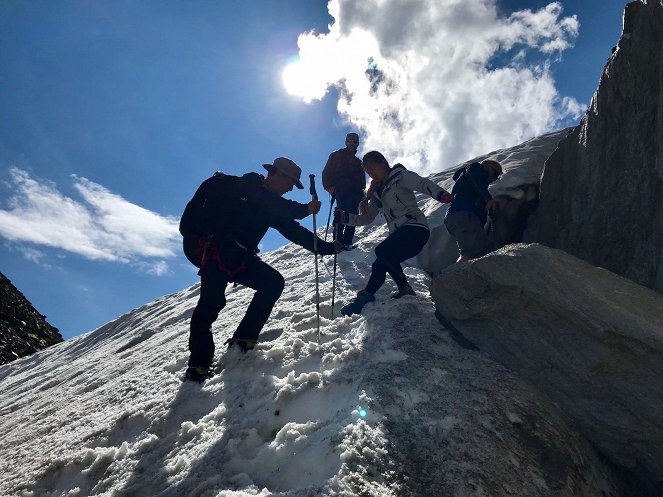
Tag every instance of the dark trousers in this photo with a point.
(264, 279)
(349, 202)
(402, 244)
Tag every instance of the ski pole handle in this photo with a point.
(314, 194)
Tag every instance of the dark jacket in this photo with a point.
(343, 172)
(261, 209)
(471, 192)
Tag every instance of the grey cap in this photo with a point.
(287, 167)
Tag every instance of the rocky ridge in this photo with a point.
(23, 330)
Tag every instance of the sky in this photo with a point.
(106, 413)
(112, 113)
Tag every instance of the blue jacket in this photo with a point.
(471, 193)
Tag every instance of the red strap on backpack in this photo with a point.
(208, 250)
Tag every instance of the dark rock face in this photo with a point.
(601, 193)
(592, 341)
(23, 330)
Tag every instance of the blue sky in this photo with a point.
(112, 113)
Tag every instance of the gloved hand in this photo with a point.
(491, 205)
(330, 248)
(445, 197)
(340, 216)
(314, 207)
(363, 206)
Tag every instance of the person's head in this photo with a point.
(282, 176)
(352, 142)
(492, 168)
(375, 165)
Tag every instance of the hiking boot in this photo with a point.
(244, 344)
(199, 374)
(355, 307)
(403, 291)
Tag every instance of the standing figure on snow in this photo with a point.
(392, 192)
(222, 226)
(345, 180)
(467, 214)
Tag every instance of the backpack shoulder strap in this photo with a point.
(466, 174)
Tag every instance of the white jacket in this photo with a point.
(397, 202)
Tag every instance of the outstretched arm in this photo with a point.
(303, 237)
(413, 181)
(367, 213)
(264, 200)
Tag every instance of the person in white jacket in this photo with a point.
(391, 192)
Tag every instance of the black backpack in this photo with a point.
(210, 212)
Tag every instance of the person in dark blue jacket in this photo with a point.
(230, 255)
(468, 211)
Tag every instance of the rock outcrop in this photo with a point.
(458, 424)
(592, 341)
(601, 193)
(22, 329)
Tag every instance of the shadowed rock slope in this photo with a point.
(23, 330)
(592, 341)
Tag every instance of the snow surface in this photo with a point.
(107, 413)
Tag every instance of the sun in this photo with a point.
(301, 81)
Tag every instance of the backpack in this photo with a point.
(210, 212)
(460, 172)
(465, 172)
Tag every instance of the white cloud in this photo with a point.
(157, 268)
(102, 226)
(435, 82)
(34, 255)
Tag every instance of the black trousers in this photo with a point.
(402, 244)
(349, 202)
(264, 279)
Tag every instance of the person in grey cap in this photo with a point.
(222, 226)
(345, 179)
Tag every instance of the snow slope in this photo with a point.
(107, 413)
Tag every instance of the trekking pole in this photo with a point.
(331, 207)
(334, 273)
(314, 196)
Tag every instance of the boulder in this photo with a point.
(601, 195)
(592, 341)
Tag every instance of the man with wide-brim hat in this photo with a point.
(286, 167)
(239, 211)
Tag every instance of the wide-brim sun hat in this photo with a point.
(287, 167)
